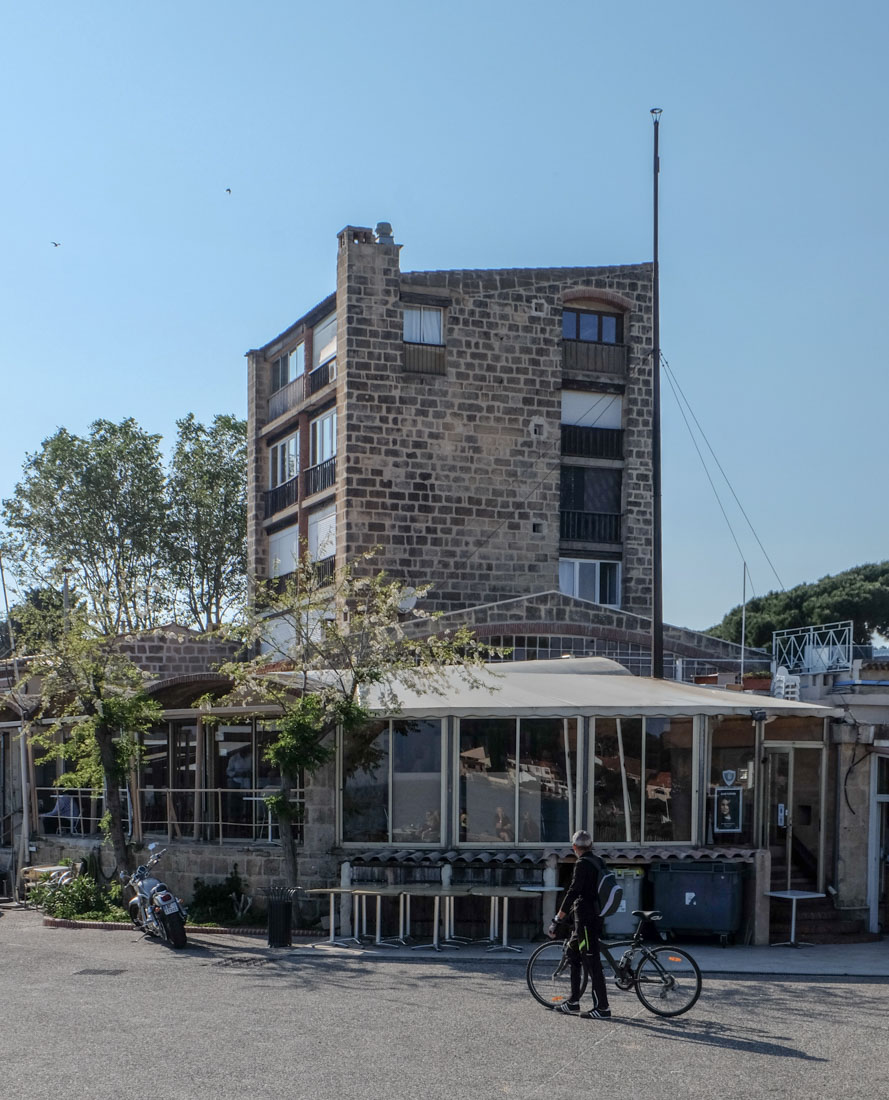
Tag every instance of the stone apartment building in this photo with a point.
(490, 430)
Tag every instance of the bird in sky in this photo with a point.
(55, 244)
(228, 190)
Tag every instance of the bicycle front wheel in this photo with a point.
(668, 981)
(549, 975)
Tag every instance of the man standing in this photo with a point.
(582, 901)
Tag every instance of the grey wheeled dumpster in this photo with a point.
(699, 897)
(623, 923)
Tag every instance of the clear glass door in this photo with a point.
(778, 820)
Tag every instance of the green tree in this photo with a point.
(206, 532)
(860, 594)
(95, 508)
(322, 642)
(91, 707)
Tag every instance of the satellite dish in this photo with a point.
(408, 599)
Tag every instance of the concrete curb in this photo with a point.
(196, 929)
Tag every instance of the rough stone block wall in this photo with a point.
(175, 651)
(457, 475)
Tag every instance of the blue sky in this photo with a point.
(491, 134)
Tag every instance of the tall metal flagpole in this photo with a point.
(657, 596)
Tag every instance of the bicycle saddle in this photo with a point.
(647, 914)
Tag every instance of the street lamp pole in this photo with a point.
(657, 596)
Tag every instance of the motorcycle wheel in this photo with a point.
(133, 910)
(174, 927)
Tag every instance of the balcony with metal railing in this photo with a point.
(589, 526)
(281, 497)
(580, 357)
(585, 442)
(321, 376)
(287, 397)
(424, 358)
(320, 476)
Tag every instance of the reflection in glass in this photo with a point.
(487, 784)
(547, 766)
(416, 782)
(366, 783)
(617, 780)
(668, 779)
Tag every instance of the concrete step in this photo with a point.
(819, 925)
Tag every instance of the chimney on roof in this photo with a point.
(383, 233)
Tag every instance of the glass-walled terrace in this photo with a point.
(514, 782)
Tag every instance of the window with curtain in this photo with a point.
(284, 551)
(423, 325)
(322, 533)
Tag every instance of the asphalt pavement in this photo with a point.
(95, 1015)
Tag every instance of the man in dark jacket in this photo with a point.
(582, 902)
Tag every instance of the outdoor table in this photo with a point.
(333, 891)
(435, 891)
(368, 890)
(542, 891)
(793, 896)
(495, 893)
(449, 894)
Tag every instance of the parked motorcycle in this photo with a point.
(153, 908)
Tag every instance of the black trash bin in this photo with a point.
(699, 897)
(280, 916)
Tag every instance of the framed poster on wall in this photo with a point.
(728, 810)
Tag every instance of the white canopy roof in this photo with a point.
(585, 686)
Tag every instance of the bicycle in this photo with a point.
(667, 980)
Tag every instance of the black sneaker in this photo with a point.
(596, 1014)
(570, 1008)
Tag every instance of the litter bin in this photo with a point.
(623, 923)
(699, 897)
(280, 916)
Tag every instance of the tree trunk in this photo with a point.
(108, 758)
(288, 837)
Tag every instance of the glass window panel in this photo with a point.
(487, 780)
(609, 329)
(297, 361)
(587, 578)
(366, 783)
(267, 775)
(547, 767)
(617, 780)
(322, 534)
(431, 326)
(733, 749)
(883, 776)
(608, 583)
(668, 779)
(155, 780)
(566, 577)
(416, 782)
(413, 324)
(324, 341)
(589, 327)
(569, 324)
(601, 490)
(284, 551)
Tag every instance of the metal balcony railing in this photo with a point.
(281, 497)
(584, 442)
(424, 358)
(590, 526)
(578, 357)
(287, 397)
(320, 477)
(321, 376)
(324, 569)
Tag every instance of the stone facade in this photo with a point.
(454, 472)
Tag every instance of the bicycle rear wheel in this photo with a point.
(668, 981)
(549, 975)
